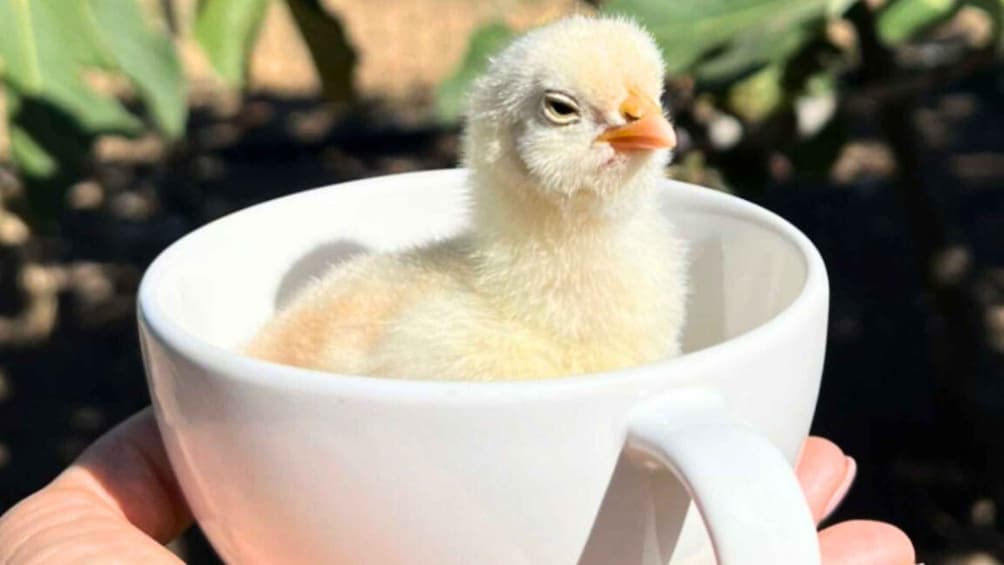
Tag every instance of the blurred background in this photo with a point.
(875, 126)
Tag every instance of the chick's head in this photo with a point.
(571, 107)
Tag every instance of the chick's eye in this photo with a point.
(560, 109)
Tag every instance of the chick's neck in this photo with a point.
(510, 209)
(544, 255)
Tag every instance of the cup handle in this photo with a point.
(746, 491)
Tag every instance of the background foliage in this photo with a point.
(46, 47)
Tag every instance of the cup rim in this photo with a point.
(153, 318)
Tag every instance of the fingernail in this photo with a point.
(845, 485)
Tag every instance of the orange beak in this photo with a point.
(647, 128)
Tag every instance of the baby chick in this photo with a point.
(568, 267)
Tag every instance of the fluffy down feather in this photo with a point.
(568, 268)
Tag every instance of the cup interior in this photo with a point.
(221, 282)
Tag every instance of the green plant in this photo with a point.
(47, 47)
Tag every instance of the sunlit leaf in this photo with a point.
(146, 57)
(46, 47)
(688, 31)
(34, 35)
(50, 148)
(52, 115)
(750, 51)
(485, 42)
(226, 30)
(30, 156)
(756, 97)
(901, 20)
(835, 8)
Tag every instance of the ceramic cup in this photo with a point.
(286, 465)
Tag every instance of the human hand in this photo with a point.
(826, 474)
(120, 502)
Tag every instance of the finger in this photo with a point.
(825, 474)
(864, 542)
(128, 471)
(67, 527)
(117, 503)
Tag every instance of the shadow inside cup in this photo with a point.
(313, 265)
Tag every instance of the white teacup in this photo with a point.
(286, 465)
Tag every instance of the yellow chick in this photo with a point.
(568, 266)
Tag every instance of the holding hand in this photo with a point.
(119, 502)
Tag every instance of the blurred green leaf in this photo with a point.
(30, 155)
(756, 97)
(486, 41)
(53, 116)
(45, 48)
(226, 30)
(836, 8)
(50, 148)
(146, 57)
(688, 31)
(901, 20)
(329, 46)
(820, 84)
(750, 51)
(34, 40)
